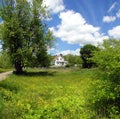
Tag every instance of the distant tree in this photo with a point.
(86, 53)
(5, 61)
(73, 60)
(24, 35)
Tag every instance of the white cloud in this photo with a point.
(115, 32)
(118, 13)
(112, 7)
(75, 30)
(109, 19)
(72, 52)
(51, 49)
(55, 6)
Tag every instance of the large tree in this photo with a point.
(24, 34)
(86, 53)
(40, 36)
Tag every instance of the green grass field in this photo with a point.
(5, 70)
(47, 94)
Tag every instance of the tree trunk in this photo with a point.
(18, 67)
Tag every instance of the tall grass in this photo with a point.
(48, 94)
(5, 69)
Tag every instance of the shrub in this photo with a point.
(107, 89)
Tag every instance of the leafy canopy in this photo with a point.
(87, 52)
(108, 61)
(24, 34)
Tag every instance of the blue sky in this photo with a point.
(79, 22)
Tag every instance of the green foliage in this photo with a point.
(87, 52)
(24, 34)
(5, 61)
(46, 94)
(73, 60)
(108, 57)
(107, 92)
(1, 26)
(60, 93)
(15, 30)
(5, 69)
(102, 99)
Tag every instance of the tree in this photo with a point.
(5, 60)
(24, 34)
(41, 37)
(1, 25)
(86, 53)
(73, 60)
(108, 57)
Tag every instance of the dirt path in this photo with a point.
(4, 75)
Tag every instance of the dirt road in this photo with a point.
(4, 75)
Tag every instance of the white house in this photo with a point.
(59, 61)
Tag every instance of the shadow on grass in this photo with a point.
(40, 73)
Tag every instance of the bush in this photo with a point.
(107, 89)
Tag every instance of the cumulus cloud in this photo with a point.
(72, 52)
(118, 13)
(109, 19)
(75, 30)
(115, 32)
(55, 6)
(112, 6)
(50, 50)
(64, 52)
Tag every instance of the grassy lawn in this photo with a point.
(46, 94)
(5, 70)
